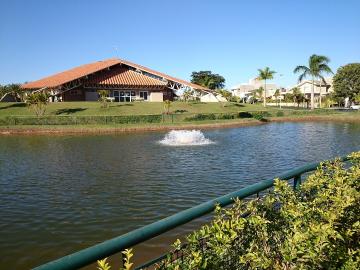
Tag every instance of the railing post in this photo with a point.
(297, 181)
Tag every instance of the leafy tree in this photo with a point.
(346, 82)
(225, 93)
(37, 102)
(277, 95)
(318, 64)
(188, 94)
(298, 97)
(103, 95)
(259, 93)
(13, 90)
(208, 79)
(264, 75)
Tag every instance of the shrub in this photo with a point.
(279, 114)
(37, 102)
(314, 227)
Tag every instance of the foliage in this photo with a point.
(103, 98)
(208, 79)
(264, 75)
(80, 120)
(297, 96)
(13, 90)
(314, 227)
(127, 253)
(347, 81)
(318, 64)
(225, 93)
(167, 106)
(188, 95)
(37, 102)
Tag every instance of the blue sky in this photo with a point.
(232, 38)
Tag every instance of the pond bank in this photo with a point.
(129, 128)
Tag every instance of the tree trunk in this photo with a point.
(312, 94)
(265, 93)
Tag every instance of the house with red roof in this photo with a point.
(124, 80)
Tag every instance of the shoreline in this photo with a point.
(84, 129)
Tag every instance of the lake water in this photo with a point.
(59, 194)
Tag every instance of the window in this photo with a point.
(144, 95)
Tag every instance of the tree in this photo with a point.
(13, 90)
(264, 75)
(318, 64)
(188, 94)
(208, 79)
(225, 93)
(277, 95)
(347, 82)
(167, 106)
(37, 102)
(259, 93)
(103, 95)
(298, 97)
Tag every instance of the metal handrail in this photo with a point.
(107, 248)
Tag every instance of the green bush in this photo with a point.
(201, 117)
(80, 120)
(314, 227)
(279, 114)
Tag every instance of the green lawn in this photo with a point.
(134, 108)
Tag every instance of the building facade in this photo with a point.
(247, 89)
(123, 80)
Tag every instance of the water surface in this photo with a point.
(59, 194)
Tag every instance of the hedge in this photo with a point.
(79, 120)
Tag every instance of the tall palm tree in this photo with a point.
(265, 74)
(318, 64)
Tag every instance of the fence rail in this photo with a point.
(92, 254)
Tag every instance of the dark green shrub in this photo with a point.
(279, 114)
(245, 115)
(201, 117)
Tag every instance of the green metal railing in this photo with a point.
(92, 254)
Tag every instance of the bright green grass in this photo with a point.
(134, 108)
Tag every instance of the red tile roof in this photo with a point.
(70, 75)
(84, 70)
(122, 77)
(162, 75)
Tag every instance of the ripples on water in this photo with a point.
(59, 194)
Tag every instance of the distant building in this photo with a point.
(320, 88)
(212, 97)
(247, 89)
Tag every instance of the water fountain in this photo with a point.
(185, 138)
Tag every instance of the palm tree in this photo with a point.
(265, 74)
(277, 95)
(318, 64)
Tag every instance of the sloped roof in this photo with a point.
(124, 78)
(151, 71)
(87, 69)
(71, 74)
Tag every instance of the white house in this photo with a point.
(210, 97)
(247, 89)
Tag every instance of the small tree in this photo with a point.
(167, 106)
(225, 93)
(37, 102)
(298, 97)
(277, 95)
(188, 94)
(103, 94)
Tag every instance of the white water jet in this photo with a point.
(185, 138)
